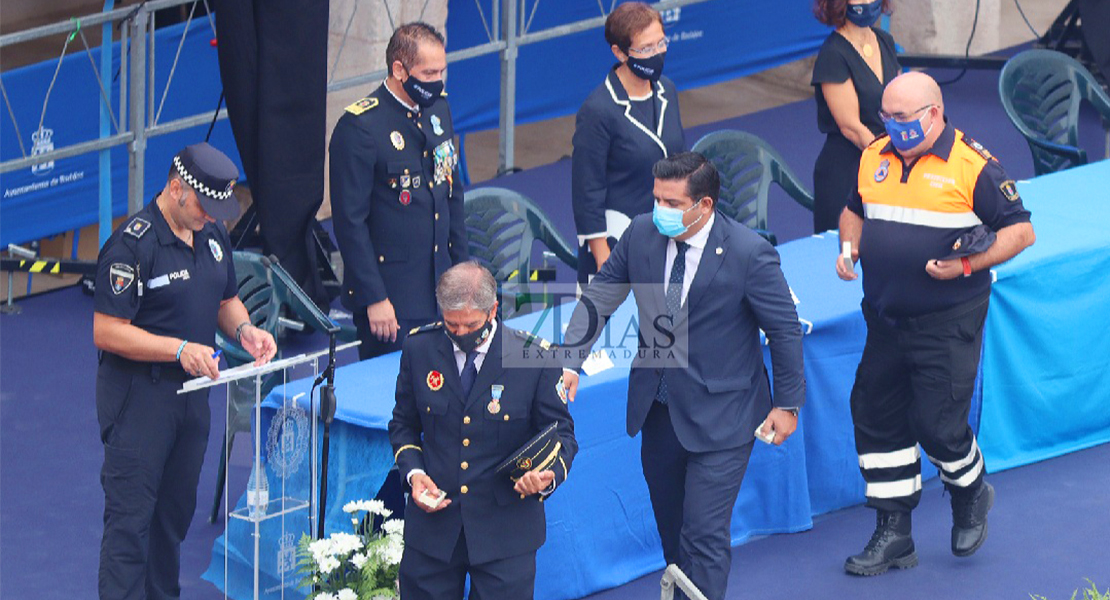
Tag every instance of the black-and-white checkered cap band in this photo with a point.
(200, 186)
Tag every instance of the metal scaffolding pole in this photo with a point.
(506, 143)
(138, 111)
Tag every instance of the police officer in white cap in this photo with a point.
(165, 281)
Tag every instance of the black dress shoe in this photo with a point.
(890, 546)
(969, 519)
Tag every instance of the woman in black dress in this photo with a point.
(623, 128)
(853, 66)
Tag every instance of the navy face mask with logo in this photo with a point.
(423, 93)
(650, 68)
(864, 15)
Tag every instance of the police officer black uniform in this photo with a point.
(447, 438)
(165, 281)
(396, 193)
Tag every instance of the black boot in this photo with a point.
(890, 546)
(969, 519)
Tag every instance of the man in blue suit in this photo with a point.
(698, 390)
(468, 396)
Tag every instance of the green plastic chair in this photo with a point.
(256, 290)
(1041, 91)
(502, 225)
(748, 165)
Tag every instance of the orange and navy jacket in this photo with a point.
(913, 213)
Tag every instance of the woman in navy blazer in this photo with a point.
(626, 124)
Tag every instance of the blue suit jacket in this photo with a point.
(435, 429)
(718, 387)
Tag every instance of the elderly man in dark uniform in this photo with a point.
(396, 194)
(470, 393)
(165, 280)
(932, 212)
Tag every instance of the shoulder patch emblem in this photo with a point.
(217, 250)
(1009, 189)
(362, 106)
(978, 148)
(530, 339)
(428, 327)
(121, 276)
(137, 227)
(882, 171)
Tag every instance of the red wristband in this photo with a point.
(967, 266)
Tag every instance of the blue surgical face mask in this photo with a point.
(906, 136)
(864, 15)
(669, 220)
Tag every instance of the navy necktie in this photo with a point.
(674, 302)
(469, 373)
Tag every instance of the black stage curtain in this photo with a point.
(273, 65)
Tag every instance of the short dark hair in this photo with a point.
(834, 13)
(404, 44)
(701, 176)
(626, 21)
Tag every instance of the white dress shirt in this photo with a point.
(697, 244)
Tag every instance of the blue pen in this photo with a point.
(217, 353)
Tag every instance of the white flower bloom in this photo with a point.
(359, 560)
(394, 527)
(326, 596)
(354, 521)
(350, 507)
(328, 565)
(345, 543)
(346, 594)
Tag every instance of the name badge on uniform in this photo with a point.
(494, 405)
(437, 126)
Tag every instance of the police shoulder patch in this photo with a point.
(137, 227)
(977, 147)
(1009, 190)
(428, 327)
(530, 339)
(362, 106)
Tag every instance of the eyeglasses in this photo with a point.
(902, 117)
(651, 49)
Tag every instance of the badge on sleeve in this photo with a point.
(1009, 189)
(217, 250)
(437, 126)
(137, 227)
(122, 276)
(435, 380)
(882, 171)
(397, 139)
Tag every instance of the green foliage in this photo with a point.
(1091, 593)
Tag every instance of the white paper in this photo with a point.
(596, 363)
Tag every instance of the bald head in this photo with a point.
(914, 86)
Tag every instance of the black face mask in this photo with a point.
(468, 342)
(423, 93)
(650, 68)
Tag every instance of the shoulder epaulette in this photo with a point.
(530, 339)
(977, 147)
(362, 106)
(428, 327)
(137, 227)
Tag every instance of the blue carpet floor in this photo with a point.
(1049, 527)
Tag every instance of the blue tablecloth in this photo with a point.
(1045, 384)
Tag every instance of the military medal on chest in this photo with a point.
(494, 405)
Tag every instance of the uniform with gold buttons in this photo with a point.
(397, 204)
(459, 442)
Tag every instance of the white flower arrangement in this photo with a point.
(355, 566)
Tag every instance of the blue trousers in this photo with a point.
(692, 496)
(154, 443)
